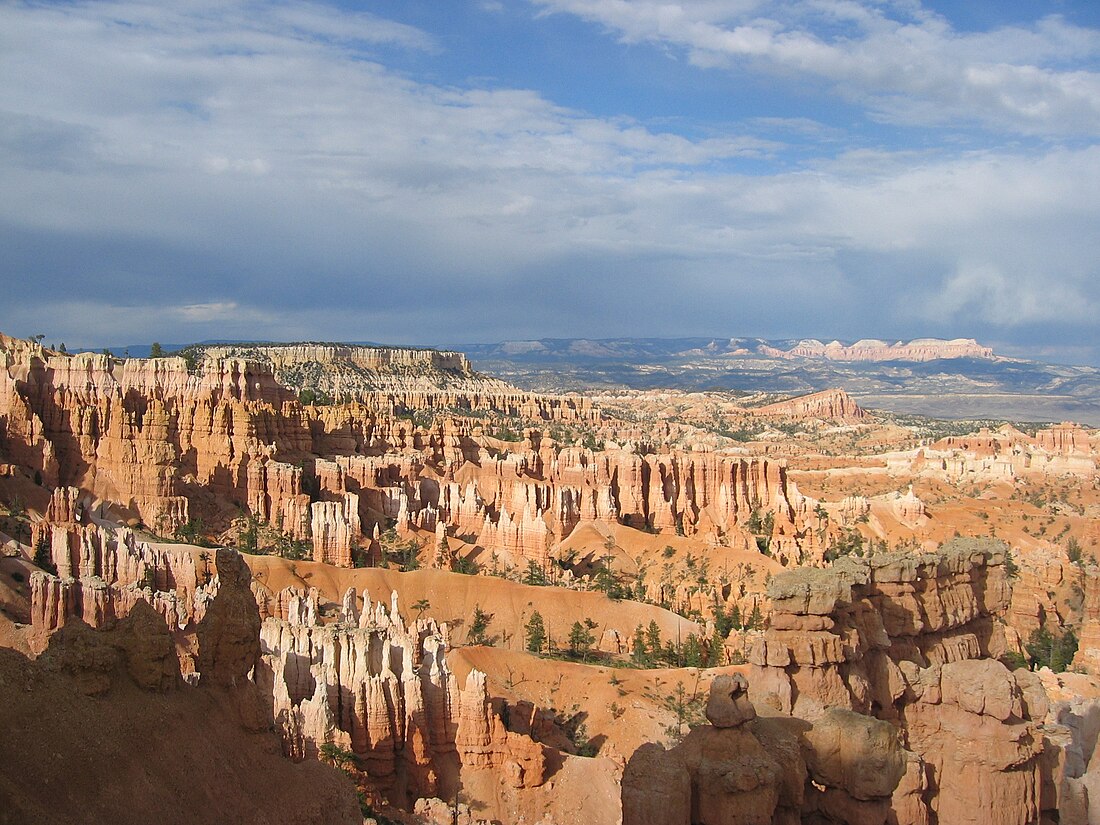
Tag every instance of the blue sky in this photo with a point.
(446, 172)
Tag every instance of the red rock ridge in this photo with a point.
(828, 404)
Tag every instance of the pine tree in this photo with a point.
(755, 619)
(580, 639)
(534, 575)
(42, 556)
(479, 625)
(692, 654)
(716, 650)
(535, 633)
(671, 654)
(638, 650)
(653, 640)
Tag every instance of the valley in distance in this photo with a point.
(670, 581)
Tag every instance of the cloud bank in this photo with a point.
(277, 171)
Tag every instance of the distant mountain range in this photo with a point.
(866, 349)
(959, 378)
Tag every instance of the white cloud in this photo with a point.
(983, 291)
(904, 63)
(214, 311)
(345, 27)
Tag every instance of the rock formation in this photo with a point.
(400, 381)
(876, 691)
(827, 404)
(336, 530)
(1007, 454)
(869, 349)
(906, 639)
(104, 571)
(383, 690)
(228, 635)
(748, 770)
(167, 446)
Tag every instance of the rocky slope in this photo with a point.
(827, 404)
(98, 727)
(166, 446)
(906, 639)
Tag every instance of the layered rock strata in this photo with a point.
(401, 381)
(103, 572)
(370, 683)
(907, 639)
(113, 702)
(1004, 454)
(170, 447)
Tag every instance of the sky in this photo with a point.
(445, 173)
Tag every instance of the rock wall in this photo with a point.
(113, 702)
(1007, 453)
(1087, 657)
(374, 359)
(149, 436)
(165, 445)
(336, 530)
(523, 502)
(103, 572)
(908, 639)
(369, 683)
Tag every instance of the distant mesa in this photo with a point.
(352, 371)
(521, 347)
(871, 349)
(372, 359)
(833, 403)
(635, 349)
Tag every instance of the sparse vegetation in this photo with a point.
(43, 557)
(193, 532)
(1045, 649)
(535, 575)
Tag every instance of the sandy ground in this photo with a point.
(452, 598)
